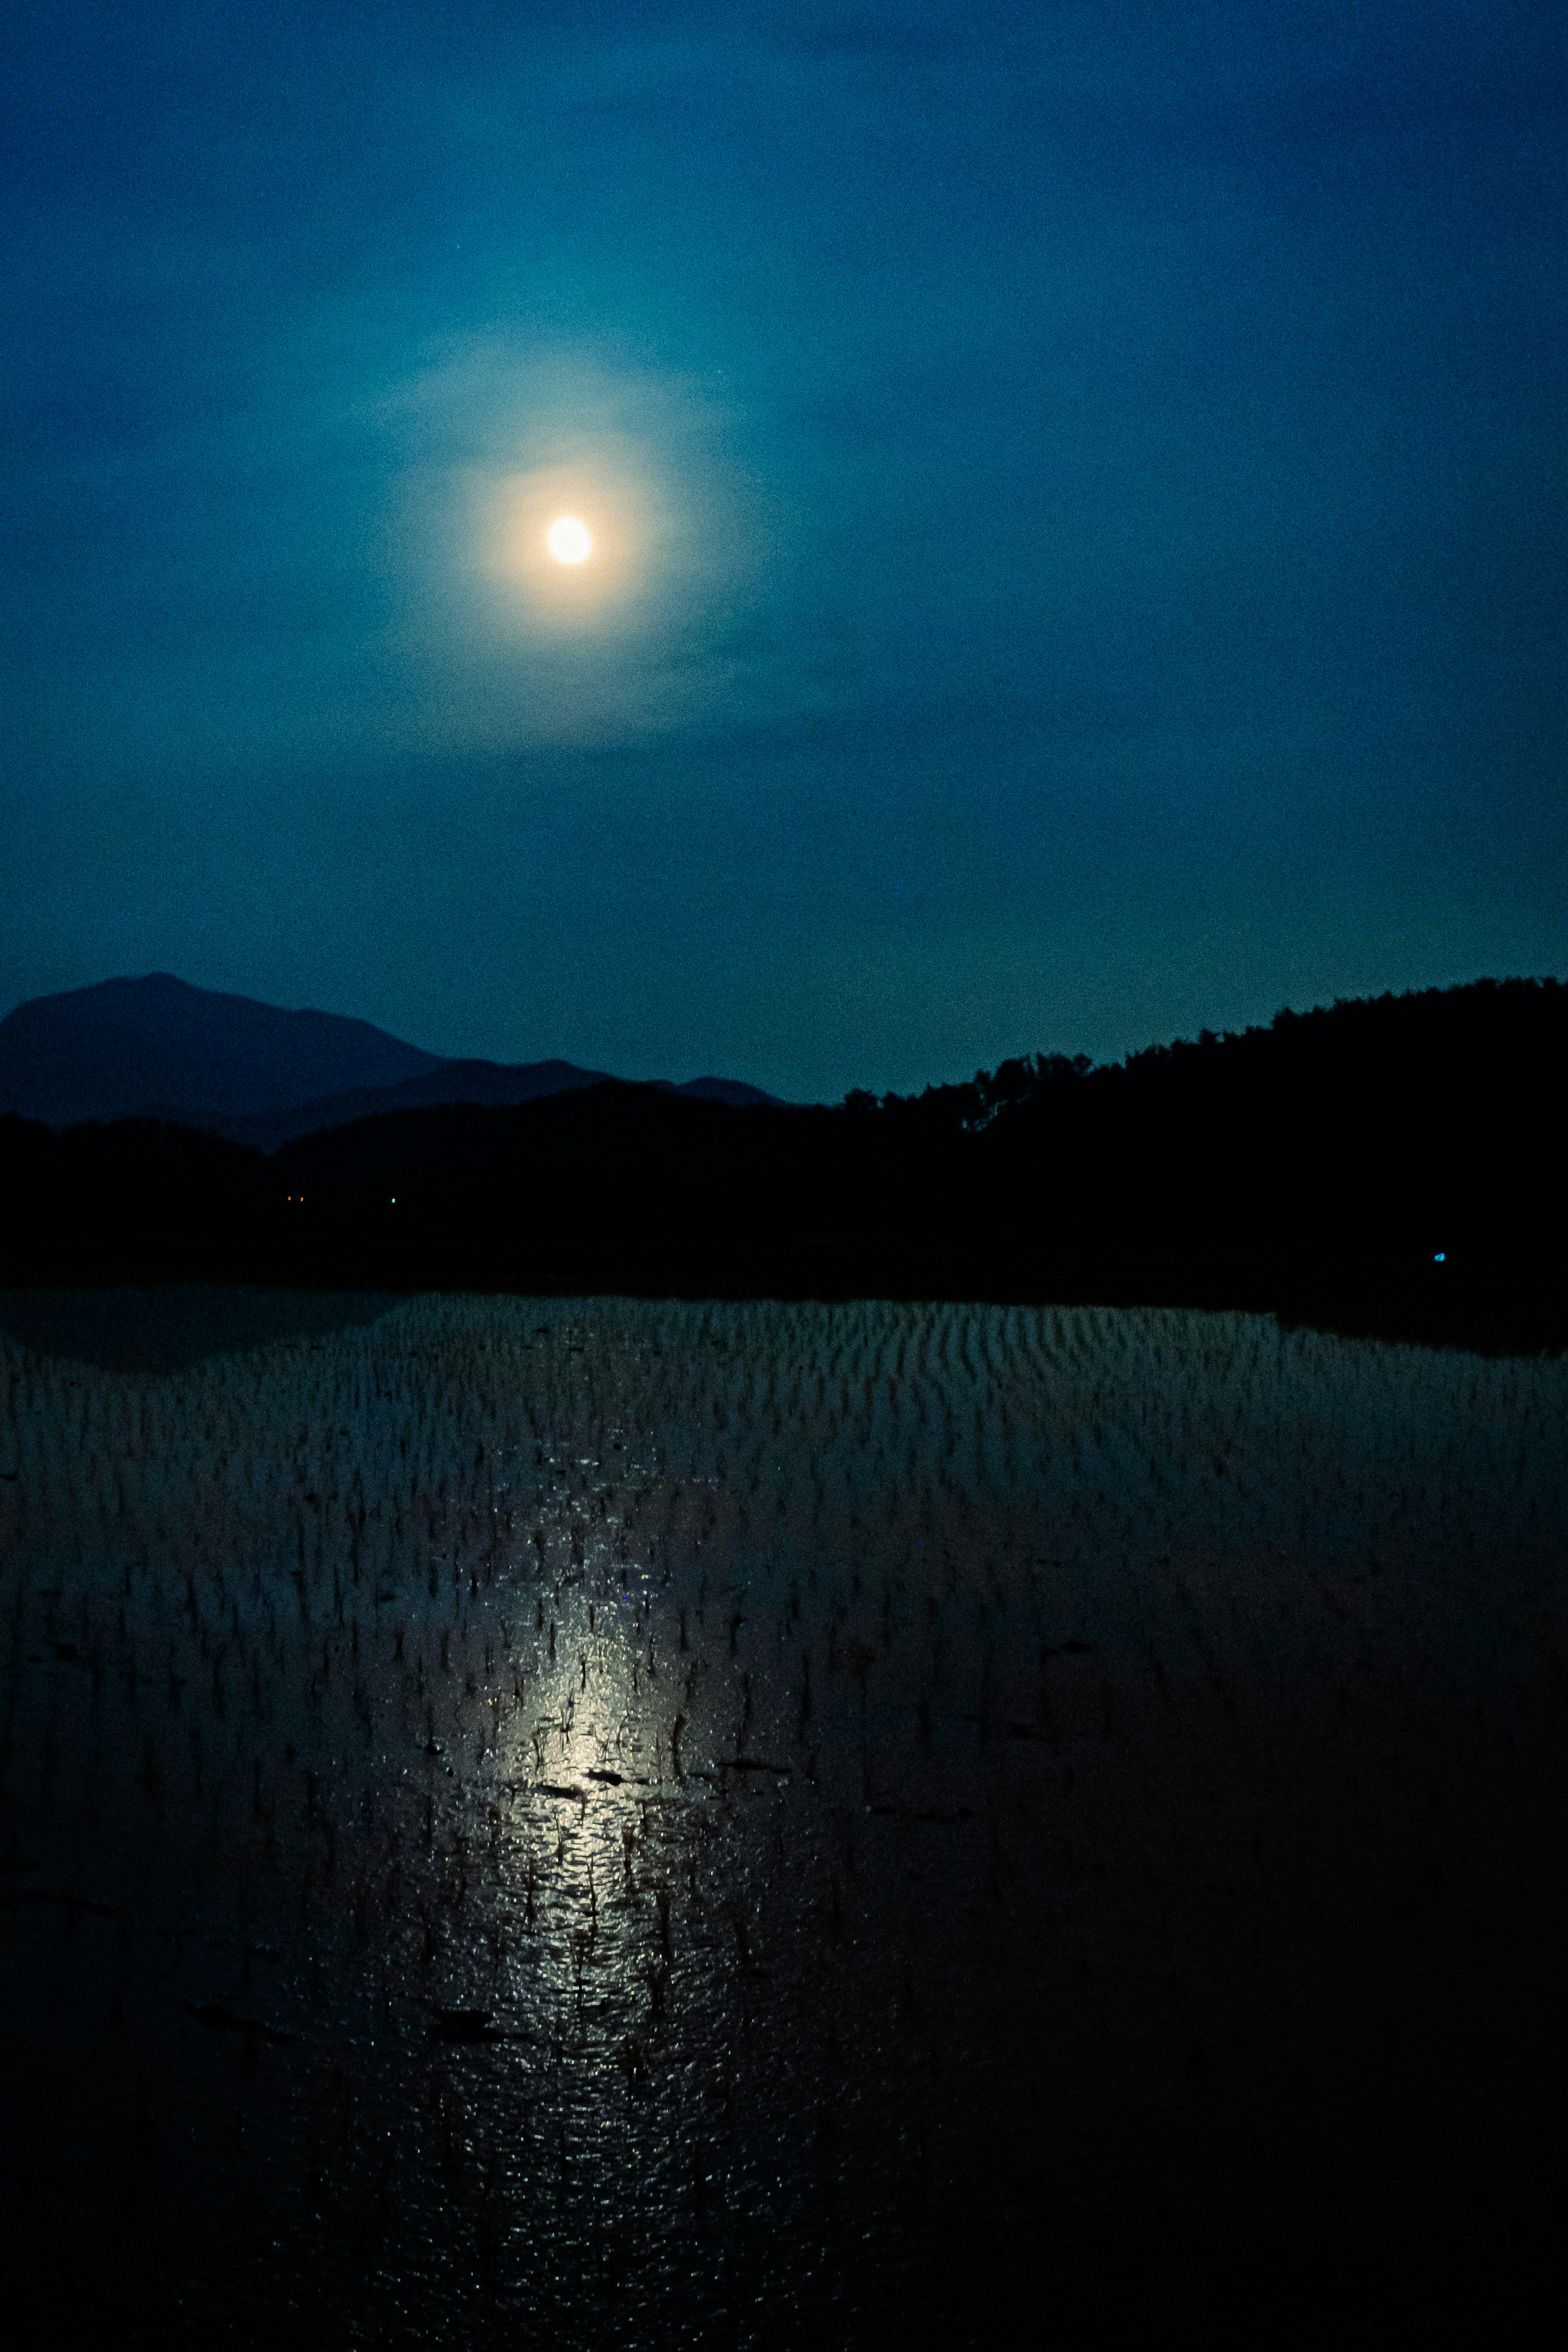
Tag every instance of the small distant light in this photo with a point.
(1438, 1255)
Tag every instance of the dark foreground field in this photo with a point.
(605, 1822)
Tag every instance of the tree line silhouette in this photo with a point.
(1412, 1131)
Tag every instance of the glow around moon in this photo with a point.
(569, 540)
(569, 544)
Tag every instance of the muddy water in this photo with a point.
(742, 1825)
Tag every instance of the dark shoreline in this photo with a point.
(1493, 1306)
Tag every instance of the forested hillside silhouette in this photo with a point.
(1408, 1130)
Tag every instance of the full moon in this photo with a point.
(568, 540)
(569, 544)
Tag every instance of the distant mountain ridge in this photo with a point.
(158, 1047)
(1403, 1149)
(127, 1046)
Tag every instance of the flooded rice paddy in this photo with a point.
(661, 1824)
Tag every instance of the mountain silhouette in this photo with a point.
(159, 1048)
(493, 1084)
(734, 1091)
(126, 1048)
(1400, 1150)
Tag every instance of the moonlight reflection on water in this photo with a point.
(745, 1824)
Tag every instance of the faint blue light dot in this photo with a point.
(1439, 1257)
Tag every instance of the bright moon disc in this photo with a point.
(567, 541)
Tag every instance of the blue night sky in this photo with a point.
(1078, 497)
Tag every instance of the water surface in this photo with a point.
(741, 1825)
